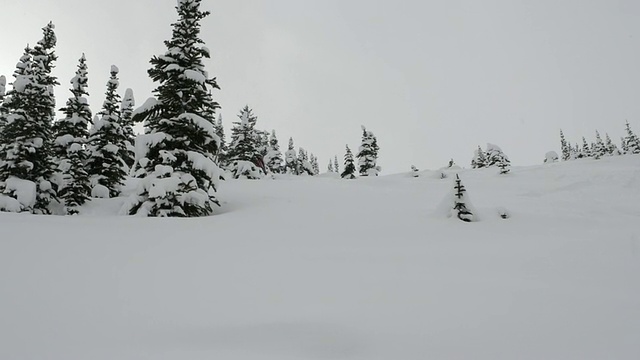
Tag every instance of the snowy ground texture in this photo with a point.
(321, 268)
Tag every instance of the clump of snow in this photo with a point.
(22, 191)
(100, 192)
(551, 157)
(246, 170)
(148, 105)
(21, 82)
(196, 76)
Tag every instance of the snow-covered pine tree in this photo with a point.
(336, 164)
(495, 157)
(263, 143)
(623, 146)
(314, 165)
(611, 148)
(3, 87)
(460, 202)
(71, 135)
(598, 150)
(414, 171)
(273, 159)
(107, 144)
(221, 155)
(330, 166)
(349, 166)
(586, 149)
(27, 174)
(303, 163)
(551, 157)
(368, 154)
(181, 142)
(631, 141)
(479, 160)
(128, 152)
(565, 147)
(291, 160)
(578, 152)
(245, 148)
(3, 114)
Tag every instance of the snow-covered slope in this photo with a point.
(322, 268)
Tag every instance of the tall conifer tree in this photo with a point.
(26, 138)
(273, 159)
(128, 152)
(108, 143)
(71, 135)
(291, 160)
(180, 172)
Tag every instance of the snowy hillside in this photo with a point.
(324, 268)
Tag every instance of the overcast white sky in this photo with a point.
(432, 79)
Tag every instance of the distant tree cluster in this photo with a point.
(254, 153)
(491, 157)
(629, 145)
(367, 159)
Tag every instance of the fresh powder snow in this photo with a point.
(324, 268)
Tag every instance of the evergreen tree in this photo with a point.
(632, 141)
(565, 147)
(180, 172)
(291, 160)
(479, 159)
(330, 166)
(460, 202)
(3, 112)
(26, 138)
(578, 152)
(221, 155)
(551, 157)
(495, 157)
(624, 145)
(315, 165)
(349, 167)
(245, 150)
(586, 149)
(304, 165)
(368, 154)
(610, 147)
(128, 152)
(263, 143)
(108, 144)
(336, 165)
(598, 149)
(71, 135)
(274, 156)
(245, 140)
(3, 88)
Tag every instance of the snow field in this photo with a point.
(323, 268)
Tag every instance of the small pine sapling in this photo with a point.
(460, 203)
